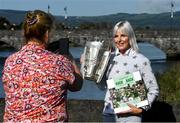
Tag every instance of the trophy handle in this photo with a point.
(103, 65)
(82, 69)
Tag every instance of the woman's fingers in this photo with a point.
(134, 109)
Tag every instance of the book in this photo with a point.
(129, 88)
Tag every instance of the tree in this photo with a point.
(4, 23)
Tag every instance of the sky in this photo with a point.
(93, 7)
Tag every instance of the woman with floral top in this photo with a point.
(124, 60)
(36, 80)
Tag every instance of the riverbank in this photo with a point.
(91, 111)
(79, 110)
(174, 57)
(2, 104)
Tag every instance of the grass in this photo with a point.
(2, 104)
(169, 83)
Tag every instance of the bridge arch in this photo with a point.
(3, 43)
(164, 40)
(6, 46)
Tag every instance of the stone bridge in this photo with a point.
(168, 41)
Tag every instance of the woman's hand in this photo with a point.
(134, 109)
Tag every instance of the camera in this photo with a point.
(60, 46)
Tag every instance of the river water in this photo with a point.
(90, 90)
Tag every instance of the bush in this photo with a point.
(169, 83)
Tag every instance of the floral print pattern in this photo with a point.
(35, 83)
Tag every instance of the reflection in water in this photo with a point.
(151, 52)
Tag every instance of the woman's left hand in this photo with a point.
(134, 109)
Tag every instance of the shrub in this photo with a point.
(169, 83)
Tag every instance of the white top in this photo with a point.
(131, 61)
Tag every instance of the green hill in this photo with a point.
(14, 16)
(161, 20)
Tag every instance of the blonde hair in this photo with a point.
(36, 24)
(126, 28)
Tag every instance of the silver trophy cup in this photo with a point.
(96, 58)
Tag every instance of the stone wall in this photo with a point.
(91, 111)
(85, 110)
(168, 41)
(79, 110)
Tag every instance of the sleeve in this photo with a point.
(66, 69)
(150, 82)
(71, 77)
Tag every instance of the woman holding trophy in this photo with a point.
(124, 60)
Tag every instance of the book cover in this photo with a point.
(125, 89)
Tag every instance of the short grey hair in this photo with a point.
(126, 28)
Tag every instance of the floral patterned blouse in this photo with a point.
(35, 83)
